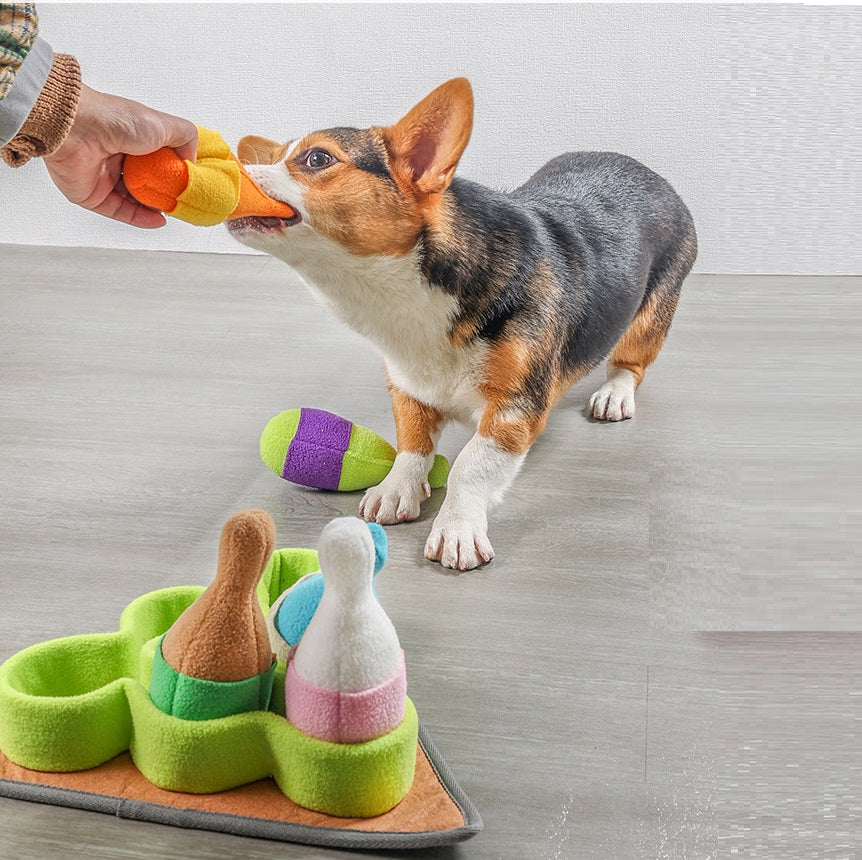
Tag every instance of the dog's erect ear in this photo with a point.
(258, 150)
(424, 146)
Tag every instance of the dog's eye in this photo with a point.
(318, 158)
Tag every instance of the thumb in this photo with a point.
(182, 136)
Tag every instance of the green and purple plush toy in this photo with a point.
(317, 449)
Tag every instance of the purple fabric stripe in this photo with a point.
(315, 453)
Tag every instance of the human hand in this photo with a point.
(88, 166)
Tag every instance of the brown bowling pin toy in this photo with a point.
(216, 659)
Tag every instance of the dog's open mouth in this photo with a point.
(262, 223)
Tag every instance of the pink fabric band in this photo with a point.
(341, 717)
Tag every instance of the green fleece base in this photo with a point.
(74, 703)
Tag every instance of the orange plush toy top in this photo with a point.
(213, 189)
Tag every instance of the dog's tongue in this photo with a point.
(252, 201)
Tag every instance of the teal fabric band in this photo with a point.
(198, 699)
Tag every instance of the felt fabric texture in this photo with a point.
(318, 449)
(348, 689)
(212, 192)
(434, 812)
(158, 179)
(63, 703)
(253, 201)
(291, 612)
(222, 636)
(212, 189)
(345, 717)
(74, 703)
(350, 644)
(284, 569)
(213, 755)
(191, 698)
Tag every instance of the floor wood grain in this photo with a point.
(661, 662)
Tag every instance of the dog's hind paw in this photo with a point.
(614, 401)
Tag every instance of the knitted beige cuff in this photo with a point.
(52, 115)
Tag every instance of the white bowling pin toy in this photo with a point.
(346, 679)
(294, 608)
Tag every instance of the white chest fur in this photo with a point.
(386, 300)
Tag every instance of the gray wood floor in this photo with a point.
(661, 662)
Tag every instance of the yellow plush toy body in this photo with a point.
(205, 192)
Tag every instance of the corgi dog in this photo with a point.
(486, 306)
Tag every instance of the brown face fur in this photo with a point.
(253, 149)
(384, 184)
(364, 212)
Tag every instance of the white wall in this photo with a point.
(753, 113)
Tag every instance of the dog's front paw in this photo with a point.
(393, 501)
(398, 497)
(459, 542)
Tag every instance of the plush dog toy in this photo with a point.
(346, 680)
(213, 189)
(216, 658)
(289, 615)
(317, 449)
(186, 684)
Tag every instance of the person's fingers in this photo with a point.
(147, 218)
(142, 219)
(142, 216)
(87, 168)
(109, 197)
(90, 188)
(129, 211)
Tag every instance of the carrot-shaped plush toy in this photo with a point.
(213, 189)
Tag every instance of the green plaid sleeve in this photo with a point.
(19, 25)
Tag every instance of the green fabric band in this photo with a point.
(199, 699)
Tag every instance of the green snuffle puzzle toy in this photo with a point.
(72, 704)
(317, 449)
